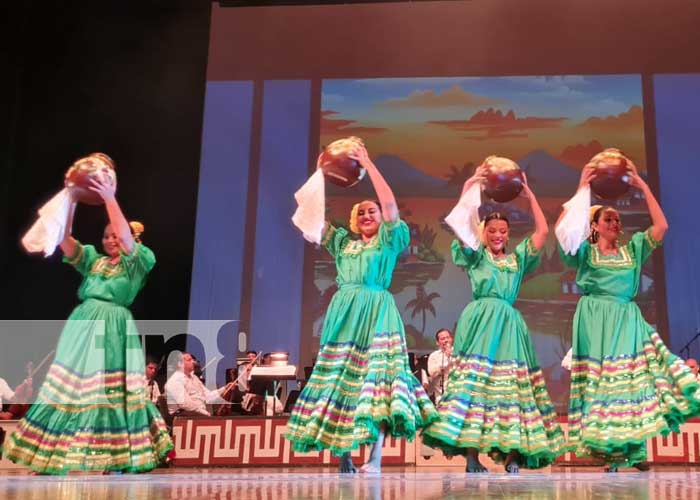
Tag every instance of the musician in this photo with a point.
(240, 395)
(198, 369)
(439, 364)
(20, 397)
(186, 394)
(152, 388)
(244, 370)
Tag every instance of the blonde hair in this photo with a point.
(137, 229)
(353, 218)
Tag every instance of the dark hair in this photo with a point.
(151, 360)
(442, 330)
(593, 237)
(251, 352)
(496, 216)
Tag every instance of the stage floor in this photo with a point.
(395, 483)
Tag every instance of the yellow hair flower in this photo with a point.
(592, 212)
(137, 230)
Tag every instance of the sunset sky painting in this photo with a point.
(435, 122)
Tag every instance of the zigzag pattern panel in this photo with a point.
(682, 447)
(257, 441)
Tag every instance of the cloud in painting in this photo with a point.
(632, 119)
(452, 97)
(332, 126)
(494, 124)
(548, 82)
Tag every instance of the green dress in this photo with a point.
(626, 386)
(91, 413)
(496, 399)
(362, 377)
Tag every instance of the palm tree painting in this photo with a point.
(457, 176)
(422, 303)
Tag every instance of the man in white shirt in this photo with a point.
(439, 365)
(187, 395)
(6, 393)
(21, 395)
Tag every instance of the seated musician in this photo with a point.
(185, 392)
(152, 388)
(439, 365)
(262, 390)
(19, 398)
(241, 398)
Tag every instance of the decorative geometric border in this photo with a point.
(246, 441)
(672, 449)
(257, 441)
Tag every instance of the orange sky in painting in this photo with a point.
(434, 146)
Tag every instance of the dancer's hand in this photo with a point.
(526, 192)
(637, 181)
(587, 175)
(478, 177)
(104, 187)
(361, 155)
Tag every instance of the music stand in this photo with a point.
(264, 379)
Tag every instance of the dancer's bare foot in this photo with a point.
(346, 465)
(370, 468)
(374, 464)
(512, 463)
(473, 464)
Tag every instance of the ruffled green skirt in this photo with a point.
(91, 413)
(361, 379)
(626, 386)
(496, 400)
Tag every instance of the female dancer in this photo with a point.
(361, 386)
(496, 400)
(91, 413)
(626, 386)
